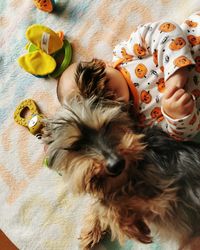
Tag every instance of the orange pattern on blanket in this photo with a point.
(15, 187)
(6, 137)
(50, 107)
(16, 3)
(119, 25)
(30, 168)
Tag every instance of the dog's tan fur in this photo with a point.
(118, 207)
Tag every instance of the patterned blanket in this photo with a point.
(37, 210)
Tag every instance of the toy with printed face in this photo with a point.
(44, 5)
(27, 115)
(35, 124)
(177, 44)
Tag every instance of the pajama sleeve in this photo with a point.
(170, 50)
(164, 40)
(184, 128)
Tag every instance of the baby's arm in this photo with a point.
(167, 44)
(160, 40)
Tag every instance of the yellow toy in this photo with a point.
(48, 53)
(27, 115)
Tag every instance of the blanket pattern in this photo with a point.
(37, 210)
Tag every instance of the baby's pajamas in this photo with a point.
(150, 56)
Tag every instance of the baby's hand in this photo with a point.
(177, 103)
(179, 79)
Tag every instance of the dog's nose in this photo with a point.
(116, 167)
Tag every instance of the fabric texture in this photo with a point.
(37, 210)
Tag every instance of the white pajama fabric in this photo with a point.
(149, 57)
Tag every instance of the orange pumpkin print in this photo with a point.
(182, 61)
(196, 93)
(145, 96)
(162, 68)
(193, 40)
(197, 65)
(161, 85)
(155, 57)
(141, 70)
(156, 114)
(191, 23)
(177, 44)
(167, 27)
(139, 50)
(193, 120)
(125, 54)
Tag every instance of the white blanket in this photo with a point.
(37, 210)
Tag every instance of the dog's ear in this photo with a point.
(91, 79)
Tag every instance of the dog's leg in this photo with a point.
(92, 231)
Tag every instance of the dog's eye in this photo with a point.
(73, 148)
(77, 146)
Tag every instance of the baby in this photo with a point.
(157, 70)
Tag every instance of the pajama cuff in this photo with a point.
(181, 122)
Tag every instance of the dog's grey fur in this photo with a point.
(138, 178)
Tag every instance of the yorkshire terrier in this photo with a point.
(139, 179)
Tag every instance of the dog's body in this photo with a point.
(137, 179)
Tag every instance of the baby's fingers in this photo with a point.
(178, 95)
(187, 106)
(185, 98)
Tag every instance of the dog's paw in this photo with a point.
(90, 236)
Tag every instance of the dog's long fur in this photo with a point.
(138, 179)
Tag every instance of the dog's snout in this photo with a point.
(116, 167)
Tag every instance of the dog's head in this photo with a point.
(93, 144)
